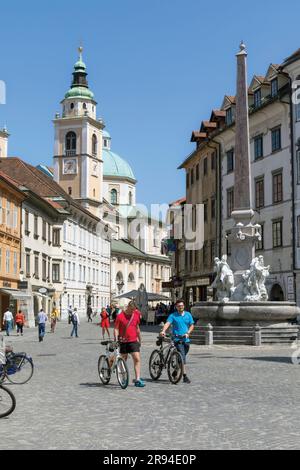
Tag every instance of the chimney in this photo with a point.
(3, 143)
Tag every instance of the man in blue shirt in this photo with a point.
(182, 325)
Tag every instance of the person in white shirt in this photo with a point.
(76, 323)
(8, 320)
(42, 319)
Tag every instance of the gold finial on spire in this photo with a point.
(80, 50)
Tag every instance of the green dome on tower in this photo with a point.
(80, 87)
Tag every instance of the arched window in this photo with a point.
(94, 144)
(84, 106)
(114, 196)
(131, 277)
(70, 191)
(71, 143)
(72, 106)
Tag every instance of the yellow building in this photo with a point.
(11, 199)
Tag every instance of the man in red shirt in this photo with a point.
(127, 332)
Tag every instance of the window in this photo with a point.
(276, 139)
(36, 227)
(213, 161)
(114, 196)
(44, 268)
(228, 243)
(260, 244)
(187, 179)
(49, 234)
(205, 253)
(84, 106)
(27, 264)
(44, 236)
(36, 267)
(15, 263)
(298, 231)
(259, 193)
(8, 214)
(230, 202)
(27, 223)
(212, 251)
(274, 87)
(130, 198)
(205, 166)
(56, 237)
(257, 98)
(229, 117)
(258, 147)
(71, 143)
(205, 211)
(94, 144)
(277, 188)
(55, 272)
(7, 261)
(277, 234)
(70, 191)
(298, 166)
(192, 176)
(230, 161)
(197, 172)
(15, 218)
(213, 208)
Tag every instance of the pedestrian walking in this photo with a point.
(89, 314)
(54, 316)
(8, 322)
(127, 332)
(105, 324)
(75, 322)
(20, 322)
(70, 314)
(42, 320)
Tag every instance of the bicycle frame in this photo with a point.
(115, 354)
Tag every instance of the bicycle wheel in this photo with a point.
(156, 365)
(19, 369)
(104, 370)
(7, 402)
(175, 367)
(2, 373)
(122, 373)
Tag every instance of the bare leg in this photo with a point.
(137, 364)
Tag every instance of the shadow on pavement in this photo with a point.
(99, 385)
(279, 360)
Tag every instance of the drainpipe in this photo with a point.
(293, 183)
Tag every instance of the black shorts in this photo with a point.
(129, 348)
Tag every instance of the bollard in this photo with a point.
(257, 336)
(209, 336)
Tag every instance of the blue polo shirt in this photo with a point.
(181, 324)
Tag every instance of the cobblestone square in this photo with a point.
(240, 398)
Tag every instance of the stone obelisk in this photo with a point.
(244, 234)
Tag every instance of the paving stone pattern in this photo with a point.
(240, 398)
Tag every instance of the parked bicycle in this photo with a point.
(167, 357)
(7, 402)
(112, 362)
(17, 368)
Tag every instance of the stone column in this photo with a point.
(243, 234)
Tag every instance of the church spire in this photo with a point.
(79, 86)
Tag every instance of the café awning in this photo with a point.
(16, 294)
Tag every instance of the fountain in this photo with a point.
(242, 298)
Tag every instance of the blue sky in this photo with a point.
(157, 68)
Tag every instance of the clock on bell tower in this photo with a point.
(78, 143)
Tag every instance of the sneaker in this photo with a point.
(139, 383)
(186, 380)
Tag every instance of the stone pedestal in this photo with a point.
(264, 314)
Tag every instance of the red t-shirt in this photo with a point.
(122, 321)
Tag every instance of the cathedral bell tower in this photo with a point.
(78, 143)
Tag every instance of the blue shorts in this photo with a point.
(183, 348)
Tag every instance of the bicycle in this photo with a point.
(112, 362)
(167, 357)
(7, 402)
(17, 368)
